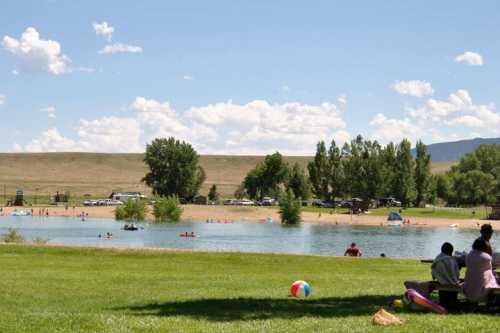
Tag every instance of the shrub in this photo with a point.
(12, 236)
(40, 240)
(290, 209)
(213, 195)
(167, 209)
(132, 210)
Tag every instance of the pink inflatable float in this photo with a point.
(413, 296)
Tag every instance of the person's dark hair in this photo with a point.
(480, 245)
(353, 244)
(447, 248)
(486, 229)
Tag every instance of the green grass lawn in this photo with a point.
(439, 212)
(85, 290)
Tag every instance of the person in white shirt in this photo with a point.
(445, 270)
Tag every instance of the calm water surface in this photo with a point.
(307, 238)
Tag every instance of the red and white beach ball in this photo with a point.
(300, 289)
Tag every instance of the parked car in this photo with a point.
(328, 204)
(90, 202)
(245, 202)
(346, 204)
(230, 202)
(388, 202)
(267, 201)
(323, 203)
(109, 202)
(115, 202)
(317, 203)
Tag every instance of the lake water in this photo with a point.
(307, 238)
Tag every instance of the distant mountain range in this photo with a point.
(453, 151)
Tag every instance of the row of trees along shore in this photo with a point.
(361, 168)
(368, 170)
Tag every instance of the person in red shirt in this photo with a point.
(353, 251)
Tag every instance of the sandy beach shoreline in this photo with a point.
(234, 213)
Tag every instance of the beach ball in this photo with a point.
(300, 289)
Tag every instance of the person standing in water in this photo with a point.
(353, 251)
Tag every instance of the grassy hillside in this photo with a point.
(99, 174)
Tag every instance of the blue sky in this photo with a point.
(245, 77)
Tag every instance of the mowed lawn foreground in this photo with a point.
(46, 289)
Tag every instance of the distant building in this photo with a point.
(125, 196)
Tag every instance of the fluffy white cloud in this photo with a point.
(49, 141)
(254, 128)
(415, 88)
(468, 121)
(2, 99)
(104, 30)
(120, 48)
(50, 110)
(188, 77)
(38, 53)
(435, 119)
(470, 58)
(386, 130)
(110, 134)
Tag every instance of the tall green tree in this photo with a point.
(174, 168)
(252, 184)
(389, 166)
(335, 172)
(213, 195)
(474, 187)
(298, 182)
(476, 178)
(267, 178)
(318, 172)
(404, 174)
(422, 174)
(443, 186)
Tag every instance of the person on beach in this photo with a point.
(479, 277)
(446, 271)
(353, 251)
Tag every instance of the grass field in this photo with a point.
(42, 174)
(87, 290)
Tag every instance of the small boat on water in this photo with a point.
(130, 227)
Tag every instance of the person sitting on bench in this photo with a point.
(479, 278)
(445, 270)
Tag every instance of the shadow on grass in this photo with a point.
(229, 309)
